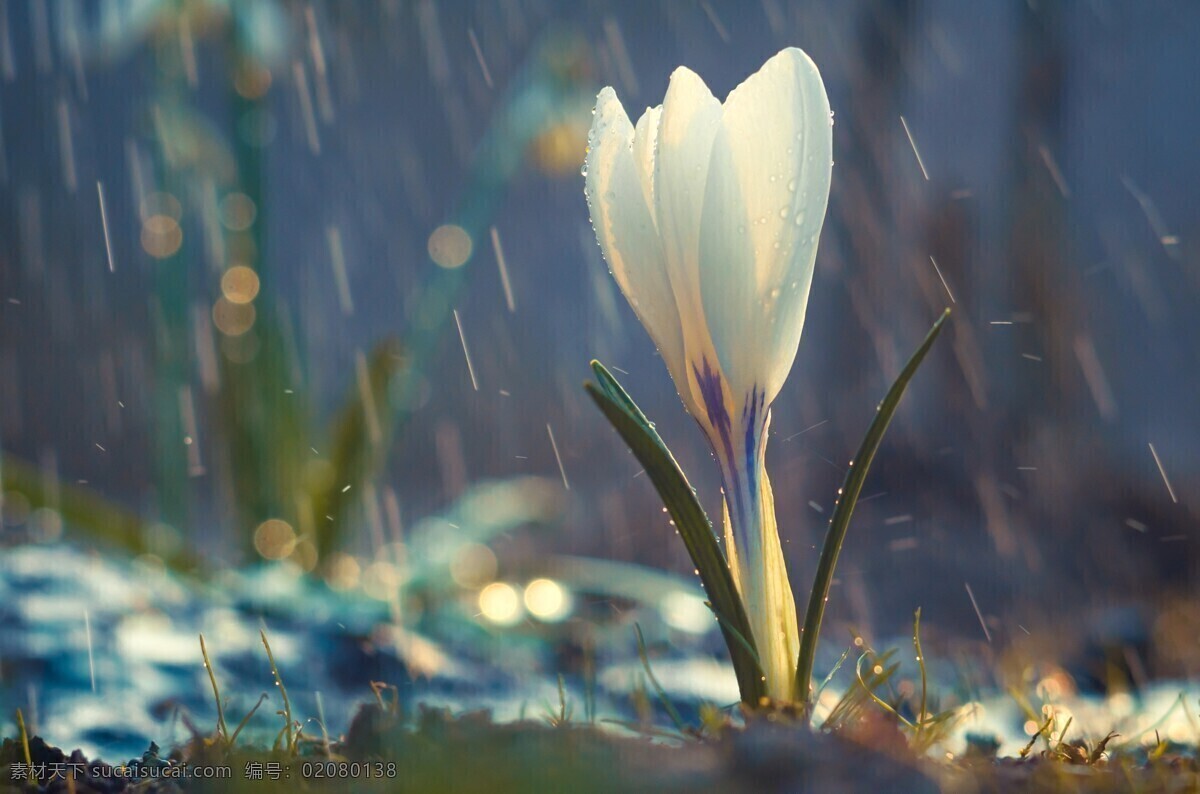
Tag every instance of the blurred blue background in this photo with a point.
(336, 150)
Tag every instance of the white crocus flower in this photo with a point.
(708, 215)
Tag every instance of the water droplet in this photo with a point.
(792, 186)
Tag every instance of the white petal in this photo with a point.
(779, 632)
(765, 199)
(625, 227)
(645, 142)
(691, 116)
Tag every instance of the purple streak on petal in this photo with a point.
(713, 393)
(738, 475)
(752, 417)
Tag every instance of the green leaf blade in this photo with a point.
(840, 522)
(691, 521)
(617, 393)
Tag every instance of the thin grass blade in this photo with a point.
(33, 772)
(222, 730)
(662, 693)
(834, 671)
(245, 720)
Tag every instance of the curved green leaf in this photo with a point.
(840, 522)
(692, 523)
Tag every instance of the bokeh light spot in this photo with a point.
(344, 572)
(275, 539)
(233, 319)
(450, 246)
(161, 236)
(559, 149)
(252, 80)
(240, 284)
(500, 604)
(473, 565)
(546, 600)
(238, 212)
(305, 555)
(381, 580)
